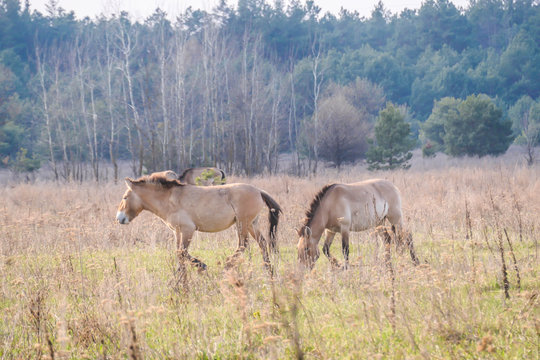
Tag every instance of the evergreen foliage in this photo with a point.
(236, 85)
(393, 143)
(525, 116)
(472, 127)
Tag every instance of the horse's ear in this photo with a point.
(129, 182)
(307, 232)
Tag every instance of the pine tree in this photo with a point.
(479, 129)
(393, 144)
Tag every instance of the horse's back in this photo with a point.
(378, 188)
(166, 174)
(235, 195)
(215, 208)
(194, 176)
(368, 202)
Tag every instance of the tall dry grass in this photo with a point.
(75, 284)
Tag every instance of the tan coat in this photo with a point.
(187, 208)
(342, 208)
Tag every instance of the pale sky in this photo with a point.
(140, 9)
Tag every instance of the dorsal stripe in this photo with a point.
(158, 180)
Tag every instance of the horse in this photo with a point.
(187, 208)
(350, 207)
(205, 176)
(168, 174)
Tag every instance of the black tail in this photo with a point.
(223, 181)
(273, 218)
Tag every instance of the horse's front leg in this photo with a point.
(409, 241)
(329, 238)
(183, 239)
(404, 237)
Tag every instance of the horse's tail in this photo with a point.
(223, 181)
(273, 218)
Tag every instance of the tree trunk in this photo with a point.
(48, 126)
(126, 48)
(112, 134)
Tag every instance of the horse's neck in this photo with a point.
(157, 204)
(318, 225)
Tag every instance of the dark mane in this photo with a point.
(182, 177)
(310, 214)
(157, 180)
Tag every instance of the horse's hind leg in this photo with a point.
(254, 231)
(329, 238)
(242, 230)
(345, 247)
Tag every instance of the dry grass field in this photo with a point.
(76, 285)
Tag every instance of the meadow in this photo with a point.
(76, 285)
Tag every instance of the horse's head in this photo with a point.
(130, 206)
(308, 249)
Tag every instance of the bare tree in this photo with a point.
(44, 100)
(161, 24)
(246, 115)
(318, 77)
(272, 145)
(57, 55)
(127, 39)
(110, 64)
(346, 130)
(525, 115)
(90, 125)
(531, 134)
(180, 100)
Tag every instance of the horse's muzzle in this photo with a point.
(122, 218)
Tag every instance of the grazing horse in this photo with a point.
(205, 176)
(186, 208)
(349, 207)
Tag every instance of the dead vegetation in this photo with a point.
(77, 285)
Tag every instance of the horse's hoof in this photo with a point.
(232, 260)
(270, 270)
(202, 267)
(229, 263)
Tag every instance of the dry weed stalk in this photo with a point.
(470, 239)
(500, 245)
(504, 271)
(234, 290)
(517, 207)
(36, 226)
(287, 306)
(38, 312)
(51, 348)
(382, 231)
(516, 268)
(118, 282)
(134, 349)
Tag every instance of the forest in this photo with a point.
(243, 84)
